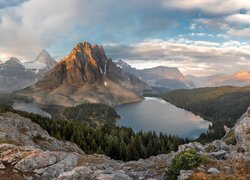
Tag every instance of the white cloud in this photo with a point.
(32, 26)
(192, 57)
(238, 18)
(209, 6)
(244, 33)
(216, 23)
(193, 26)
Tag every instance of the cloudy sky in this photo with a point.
(201, 37)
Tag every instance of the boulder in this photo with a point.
(2, 166)
(192, 146)
(242, 133)
(213, 171)
(218, 154)
(220, 145)
(185, 174)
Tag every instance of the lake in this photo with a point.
(158, 115)
(31, 108)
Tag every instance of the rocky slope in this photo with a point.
(86, 74)
(161, 76)
(25, 156)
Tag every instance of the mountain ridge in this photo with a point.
(160, 76)
(86, 74)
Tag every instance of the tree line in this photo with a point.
(119, 143)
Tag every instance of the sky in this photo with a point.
(200, 37)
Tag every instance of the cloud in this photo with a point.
(28, 28)
(192, 57)
(215, 23)
(244, 33)
(238, 18)
(209, 6)
(8, 3)
(37, 24)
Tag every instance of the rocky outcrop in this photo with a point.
(22, 131)
(86, 74)
(242, 132)
(36, 163)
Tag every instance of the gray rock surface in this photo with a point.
(185, 174)
(213, 170)
(22, 131)
(242, 132)
(2, 166)
(218, 154)
(220, 145)
(191, 146)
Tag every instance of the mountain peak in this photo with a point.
(13, 59)
(85, 62)
(84, 51)
(45, 58)
(86, 74)
(13, 63)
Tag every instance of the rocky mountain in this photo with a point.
(43, 62)
(28, 152)
(86, 74)
(16, 75)
(241, 78)
(161, 76)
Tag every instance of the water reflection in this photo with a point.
(161, 116)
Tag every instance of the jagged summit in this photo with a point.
(45, 58)
(85, 62)
(86, 74)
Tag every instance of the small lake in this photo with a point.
(158, 115)
(31, 108)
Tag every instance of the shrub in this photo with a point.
(186, 160)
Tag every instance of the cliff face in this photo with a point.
(86, 74)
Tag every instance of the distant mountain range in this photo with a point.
(241, 78)
(15, 75)
(159, 77)
(86, 74)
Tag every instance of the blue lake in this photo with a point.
(158, 115)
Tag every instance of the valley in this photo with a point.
(100, 107)
(124, 90)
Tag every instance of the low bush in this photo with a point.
(186, 160)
